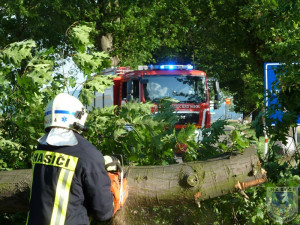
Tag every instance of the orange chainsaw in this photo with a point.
(115, 169)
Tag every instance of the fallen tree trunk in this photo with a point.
(159, 185)
(194, 181)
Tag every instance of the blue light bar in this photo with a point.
(166, 67)
(189, 67)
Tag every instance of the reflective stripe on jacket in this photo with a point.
(69, 185)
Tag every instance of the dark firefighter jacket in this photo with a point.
(70, 184)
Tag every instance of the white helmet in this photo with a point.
(65, 111)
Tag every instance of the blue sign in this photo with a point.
(270, 80)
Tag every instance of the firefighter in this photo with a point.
(70, 183)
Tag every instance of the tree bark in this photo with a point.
(15, 190)
(159, 185)
(193, 181)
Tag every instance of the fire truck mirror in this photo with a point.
(217, 90)
(218, 97)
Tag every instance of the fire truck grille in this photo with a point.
(188, 118)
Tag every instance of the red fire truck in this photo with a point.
(189, 87)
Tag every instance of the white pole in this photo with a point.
(296, 137)
(266, 144)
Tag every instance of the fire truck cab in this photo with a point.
(182, 83)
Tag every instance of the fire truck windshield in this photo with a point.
(185, 89)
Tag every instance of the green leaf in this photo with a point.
(259, 213)
(18, 51)
(99, 83)
(119, 132)
(91, 62)
(3, 82)
(80, 35)
(86, 96)
(253, 219)
(133, 158)
(234, 135)
(40, 73)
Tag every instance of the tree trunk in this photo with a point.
(193, 181)
(255, 113)
(14, 190)
(105, 39)
(159, 185)
(246, 117)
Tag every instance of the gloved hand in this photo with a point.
(119, 187)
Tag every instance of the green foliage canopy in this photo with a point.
(28, 82)
(229, 40)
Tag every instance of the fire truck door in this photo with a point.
(133, 90)
(124, 92)
(129, 90)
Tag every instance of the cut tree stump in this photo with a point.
(159, 185)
